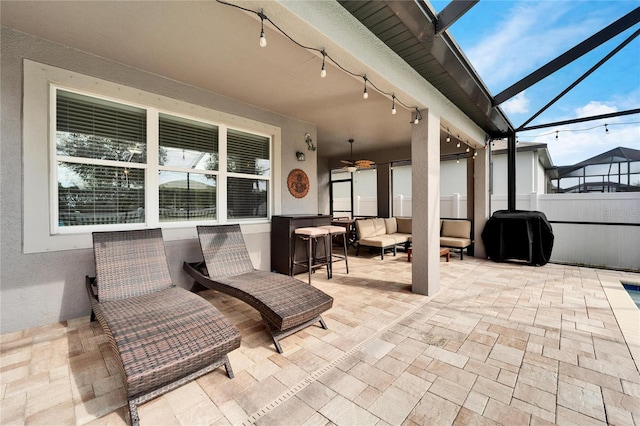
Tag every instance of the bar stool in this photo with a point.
(311, 234)
(334, 231)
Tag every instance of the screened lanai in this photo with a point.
(617, 170)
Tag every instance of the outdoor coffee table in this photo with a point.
(443, 252)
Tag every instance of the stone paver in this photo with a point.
(499, 344)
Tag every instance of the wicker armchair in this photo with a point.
(164, 336)
(285, 303)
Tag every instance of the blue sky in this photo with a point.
(505, 40)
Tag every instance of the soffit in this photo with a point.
(406, 27)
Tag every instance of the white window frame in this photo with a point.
(40, 229)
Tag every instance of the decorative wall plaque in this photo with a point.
(298, 183)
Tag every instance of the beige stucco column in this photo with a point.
(481, 196)
(425, 182)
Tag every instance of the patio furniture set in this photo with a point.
(165, 336)
(387, 233)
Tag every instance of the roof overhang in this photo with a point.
(409, 29)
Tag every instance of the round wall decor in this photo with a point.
(298, 183)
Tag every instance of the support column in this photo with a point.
(383, 175)
(425, 230)
(482, 202)
(511, 172)
(471, 199)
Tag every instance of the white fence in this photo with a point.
(606, 233)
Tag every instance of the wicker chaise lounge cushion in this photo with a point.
(130, 263)
(164, 336)
(273, 295)
(286, 304)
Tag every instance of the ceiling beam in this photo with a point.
(451, 13)
(582, 77)
(569, 56)
(581, 119)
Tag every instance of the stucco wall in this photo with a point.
(44, 288)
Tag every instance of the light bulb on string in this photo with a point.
(323, 71)
(418, 117)
(448, 136)
(458, 159)
(365, 94)
(606, 129)
(263, 39)
(458, 144)
(556, 135)
(467, 148)
(393, 106)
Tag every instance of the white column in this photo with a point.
(425, 178)
(481, 196)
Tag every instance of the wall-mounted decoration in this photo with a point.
(298, 183)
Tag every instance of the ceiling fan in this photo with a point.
(352, 166)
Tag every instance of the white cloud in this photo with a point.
(519, 104)
(594, 108)
(531, 36)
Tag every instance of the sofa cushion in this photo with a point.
(456, 228)
(455, 242)
(380, 227)
(404, 225)
(365, 228)
(391, 225)
(399, 238)
(378, 241)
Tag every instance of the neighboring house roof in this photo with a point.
(616, 155)
(499, 147)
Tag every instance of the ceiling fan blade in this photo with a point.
(346, 162)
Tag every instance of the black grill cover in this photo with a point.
(519, 234)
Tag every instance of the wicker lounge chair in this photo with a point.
(164, 336)
(285, 303)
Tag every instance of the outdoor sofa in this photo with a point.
(163, 336)
(387, 233)
(286, 304)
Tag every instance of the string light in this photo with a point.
(458, 144)
(325, 55)
(418, 117)
(556, 132)
(263, 39)
(323, 71)
(448, 135)
(365, 94)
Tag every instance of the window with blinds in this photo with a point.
(101, 152)
(192, 147)
(247, 156)
(104, 178)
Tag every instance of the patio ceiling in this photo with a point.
(215, 48)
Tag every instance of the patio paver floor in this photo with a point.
(501, 343)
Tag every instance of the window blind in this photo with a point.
(95, 128)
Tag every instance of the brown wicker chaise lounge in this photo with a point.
(286, 304)
(164, 336)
